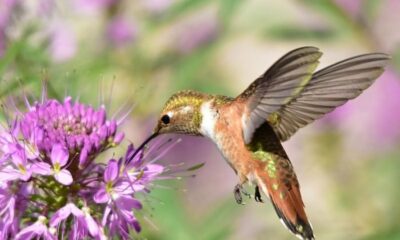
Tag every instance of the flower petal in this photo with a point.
(26, 233)
(106, 213)
(128, 203)
(153, 170)
(19, 158)
(41, 168)
(61, 215)
(91, 225)
(36, 229)
(25, 175)
(59, 154)
(83, 157)
(8, 174)
(112, 170)
(76, 211)
(64, 177)
(119, 137)
(101, 196)
(137, 226)
(127, 188)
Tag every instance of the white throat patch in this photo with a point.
(209, 117)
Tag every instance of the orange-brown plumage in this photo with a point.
(282, 187)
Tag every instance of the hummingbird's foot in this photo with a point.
(257, 195)
(246, 194)
(237, 192)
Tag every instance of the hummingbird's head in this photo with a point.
(181, 114)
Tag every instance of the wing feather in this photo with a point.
(289, 96)
(329, 88)
(284, 80)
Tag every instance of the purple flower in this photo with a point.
(13, 201)
(106, 191)
(78, 128)
(118, 192)
(19, 169)
(6, 10)
(59, 157)
(119, 216)
(62, 43)
(196, 33)
(121, 31)
(83, 223)
(37, 230)
(7, 205)
(7, 141)
(49, 170)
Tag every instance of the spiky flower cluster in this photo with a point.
(51, 184)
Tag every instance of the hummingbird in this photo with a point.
(248, 129)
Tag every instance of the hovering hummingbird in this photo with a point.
(248, 130)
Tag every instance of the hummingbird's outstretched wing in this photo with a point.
(327, 89)
(277, 86)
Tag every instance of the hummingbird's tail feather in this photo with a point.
(306, 232)
(286, 198)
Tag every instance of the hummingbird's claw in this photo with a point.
(257, 195)
(237, 191)
(246, 194)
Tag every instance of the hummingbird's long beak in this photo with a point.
(155, 134)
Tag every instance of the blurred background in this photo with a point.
(140, 52)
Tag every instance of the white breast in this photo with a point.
(209, 118)
(207, 126)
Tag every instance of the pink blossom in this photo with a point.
(121, 31)
(62, 43)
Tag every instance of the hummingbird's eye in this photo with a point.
(165, 119)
